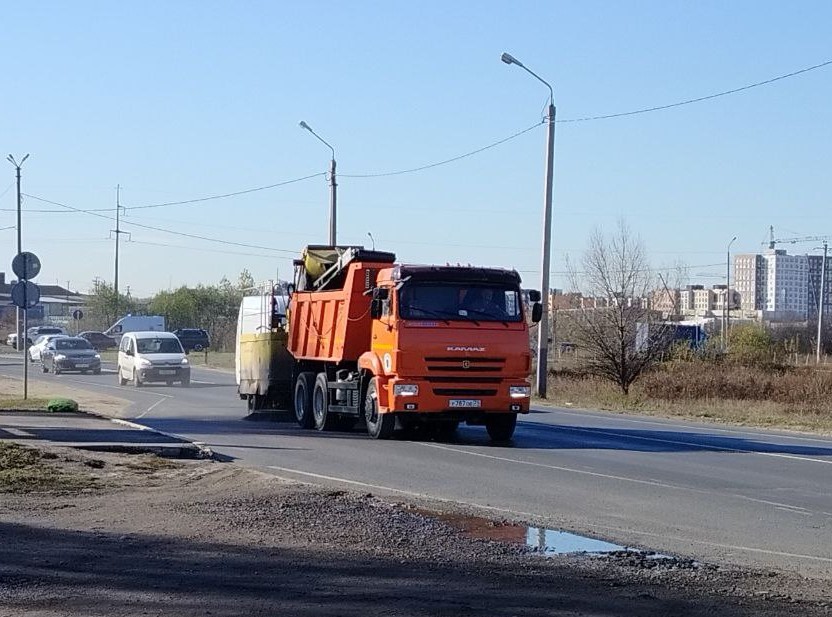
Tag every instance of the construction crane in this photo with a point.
(825, 239)
(772, 241)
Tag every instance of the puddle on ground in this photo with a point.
(543, 541)
(553, 542)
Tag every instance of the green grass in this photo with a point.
(27, 470)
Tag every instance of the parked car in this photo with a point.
(35, 331)
(99, 340)
(145, 357)
(40, 344)
(70, 353)
(193, 339)
(11, 340)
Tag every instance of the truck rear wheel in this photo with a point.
(501, 427)
(303, 400)
(324, 421)
(379, 425)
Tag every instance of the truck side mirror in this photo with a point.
(534, 295)
(290, 289)
(537, 312)
(376, 308)
(381, 293)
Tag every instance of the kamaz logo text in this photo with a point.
(465, 349)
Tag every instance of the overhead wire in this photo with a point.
(164, 230)
(225, 195)
(700, 98)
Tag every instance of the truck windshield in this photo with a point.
(459, 301)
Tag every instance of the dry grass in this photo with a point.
(799, 399)
(26, 470)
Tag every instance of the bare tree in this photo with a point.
(614, 324)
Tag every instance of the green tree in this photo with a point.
(105, 306)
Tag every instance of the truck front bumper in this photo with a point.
(457, 400)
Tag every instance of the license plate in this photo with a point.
(81, 365)
(465, 402)
(167, 372)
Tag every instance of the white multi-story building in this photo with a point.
(781, 287)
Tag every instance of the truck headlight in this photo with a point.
(184, 361)
(519, 391)
(405, 389)
(144, 363)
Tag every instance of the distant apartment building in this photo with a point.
(781, 287)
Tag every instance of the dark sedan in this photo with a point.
(193, 339)
(99, 340)
(71, 353)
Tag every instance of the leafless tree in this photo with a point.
(615, 326)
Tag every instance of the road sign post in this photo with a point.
(25, 295)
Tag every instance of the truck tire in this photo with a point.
(303, 400)
(324, 421)
(501, 427)
(121, 380)
(379, 425)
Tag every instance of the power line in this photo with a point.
(197, 248)
(591, 118)
(167, 231)
(701, 98)
(446, 161)
(224, 195)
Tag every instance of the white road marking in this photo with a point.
(613, 477)
(661, 536)
(151, 408)
(17, 432)
(613, 433)
(671, 424)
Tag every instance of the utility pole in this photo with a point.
(820, 303)
(117, 231)
(727, 308)
(19, 325)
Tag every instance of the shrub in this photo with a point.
(61, 404)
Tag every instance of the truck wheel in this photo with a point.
(121, 380)
(44, 368)
(379, 425)
(320, 405)
(137, 383)
(303, 400)
(500, 427)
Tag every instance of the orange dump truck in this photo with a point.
(396, 346)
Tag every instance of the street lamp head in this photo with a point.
(509, 59)
(303, 125)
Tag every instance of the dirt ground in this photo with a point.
(138, 535)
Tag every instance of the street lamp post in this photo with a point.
(543, 326)
(332, 184)
(820, 303)
(19, 326)
(727, 308)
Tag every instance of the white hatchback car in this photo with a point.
(145, 357)
(40, 343)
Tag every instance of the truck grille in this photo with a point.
(467, 365)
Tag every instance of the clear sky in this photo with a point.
(182, 100)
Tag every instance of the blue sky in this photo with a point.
(182, 100)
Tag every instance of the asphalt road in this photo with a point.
(747, 497)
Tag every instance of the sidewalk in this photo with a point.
(89, 432)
